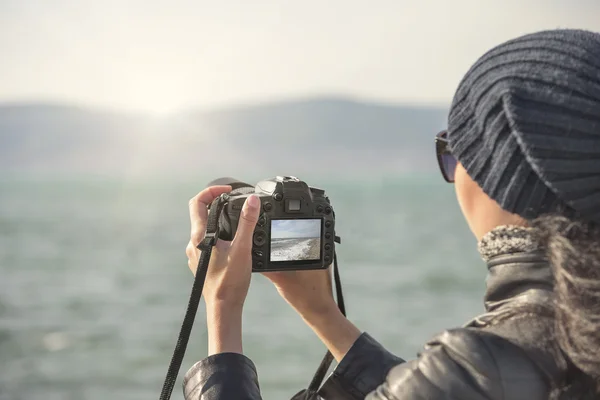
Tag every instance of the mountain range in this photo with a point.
(338, 135)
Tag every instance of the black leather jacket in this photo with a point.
(491, 357)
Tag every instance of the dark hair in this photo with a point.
(573, 250)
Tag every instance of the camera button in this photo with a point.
(258, 253)
(327, 210)
(261, 221)
(259, 238)
(268, 207)
(259, 264)
(319, 208)
(327, 235)
(327, 224)
(327, 259)
(278, 196)
(327, 246)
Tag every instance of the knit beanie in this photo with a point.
(525, 124)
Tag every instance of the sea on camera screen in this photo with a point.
(295, 239)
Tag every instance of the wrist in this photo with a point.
(334, 330)
(223, 307)
(319, 321)
(224, 326)
(317, 315)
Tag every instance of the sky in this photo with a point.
(162, 56)
(298, 228)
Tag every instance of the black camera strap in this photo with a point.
(206, 246)
(317, 380)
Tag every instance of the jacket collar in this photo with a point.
(518, 270)
(520, 276)
(523, 277)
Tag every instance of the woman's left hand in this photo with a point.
(229, 271)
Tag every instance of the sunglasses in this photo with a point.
(446, 161)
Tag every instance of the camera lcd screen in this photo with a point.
(295, 239)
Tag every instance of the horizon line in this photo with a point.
(242, 104)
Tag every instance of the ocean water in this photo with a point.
(94, 283)
(296, 249)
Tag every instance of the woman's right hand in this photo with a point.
(310, 294)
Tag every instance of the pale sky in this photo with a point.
(163, 56)
(297, 228)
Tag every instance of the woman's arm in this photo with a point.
(224, 326)
(363, 363)
(310, 294)
(334, 330)
(226, 373)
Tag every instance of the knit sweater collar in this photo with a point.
(507, 239)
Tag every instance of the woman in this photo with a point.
(523, 149)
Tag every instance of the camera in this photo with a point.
(295, 229)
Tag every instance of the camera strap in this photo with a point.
(313, 388)
(206, 246)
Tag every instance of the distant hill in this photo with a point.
(304, 136)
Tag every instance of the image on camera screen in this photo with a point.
(295, 239)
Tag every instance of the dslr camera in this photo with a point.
(295, 229)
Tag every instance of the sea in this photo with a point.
(94, 283)
(291, 249)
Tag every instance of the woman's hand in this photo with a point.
(310, 294)
(229, 270)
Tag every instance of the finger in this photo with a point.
(192, 266)
(198, 209)
(190, 250)
(192, 254)
(247, 223)
(277, 277)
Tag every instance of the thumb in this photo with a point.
(248, 219)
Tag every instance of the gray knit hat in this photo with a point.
(525, 124)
